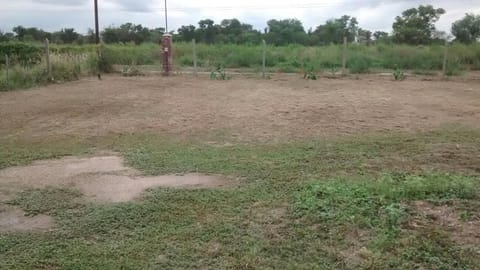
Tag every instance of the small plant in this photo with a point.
(398, 74)
(219, 74)
(309, 75)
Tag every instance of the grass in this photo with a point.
(337, 204)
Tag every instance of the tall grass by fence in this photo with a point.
(70, 62)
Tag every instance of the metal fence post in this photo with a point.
(264, 55)
(194, 57)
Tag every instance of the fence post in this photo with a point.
(445, 59)
(264, 57)
(344, 56)
(194, 44)
(7, 66)
(47, 58)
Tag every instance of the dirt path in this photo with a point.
(284, 107)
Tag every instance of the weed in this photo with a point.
(399, 75)
(219, 73)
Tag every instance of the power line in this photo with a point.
(288, 6)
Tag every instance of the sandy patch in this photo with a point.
(101, 179)
(465, 233)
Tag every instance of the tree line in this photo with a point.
(415, 26)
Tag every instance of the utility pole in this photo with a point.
(97, 38)
(97, 32)
(166, 19)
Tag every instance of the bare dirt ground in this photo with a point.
(285, 107)
(100, 179)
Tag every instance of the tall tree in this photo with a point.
(30, 34)
(364, 36)
(281, 32)
(66, 36)
(207, 31)
(334, 30)
(467, 30)
(380, 35)
(416, 25)
(186, 33)
(5, 36)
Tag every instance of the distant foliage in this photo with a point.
(417, 25)
(467, 30)
(20, 53)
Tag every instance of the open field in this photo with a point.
(182, 172)
(286, 107)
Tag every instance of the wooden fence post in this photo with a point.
(264, 57)
(47, 58)
(344, 57)
(194, 44)
(445, 59)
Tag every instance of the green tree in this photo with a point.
(282, 32)
(234, 31)
(127, 32)
(416, 25)
(207, 31)
(379, 35)
(334, 30)
(364, 36)
(467, 30)
(30, 34)
(186, 33)
(66, 36)
(6, 36)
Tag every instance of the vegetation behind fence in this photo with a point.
(27, 65)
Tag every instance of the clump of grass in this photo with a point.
(46, 201)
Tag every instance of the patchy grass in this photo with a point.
(23, 152)
(383, 208)
(46, 201)
(348, 203)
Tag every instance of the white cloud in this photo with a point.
(371, 14)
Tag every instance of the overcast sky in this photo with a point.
(374, 15)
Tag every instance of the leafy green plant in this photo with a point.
(398, 74)
(219, 73)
